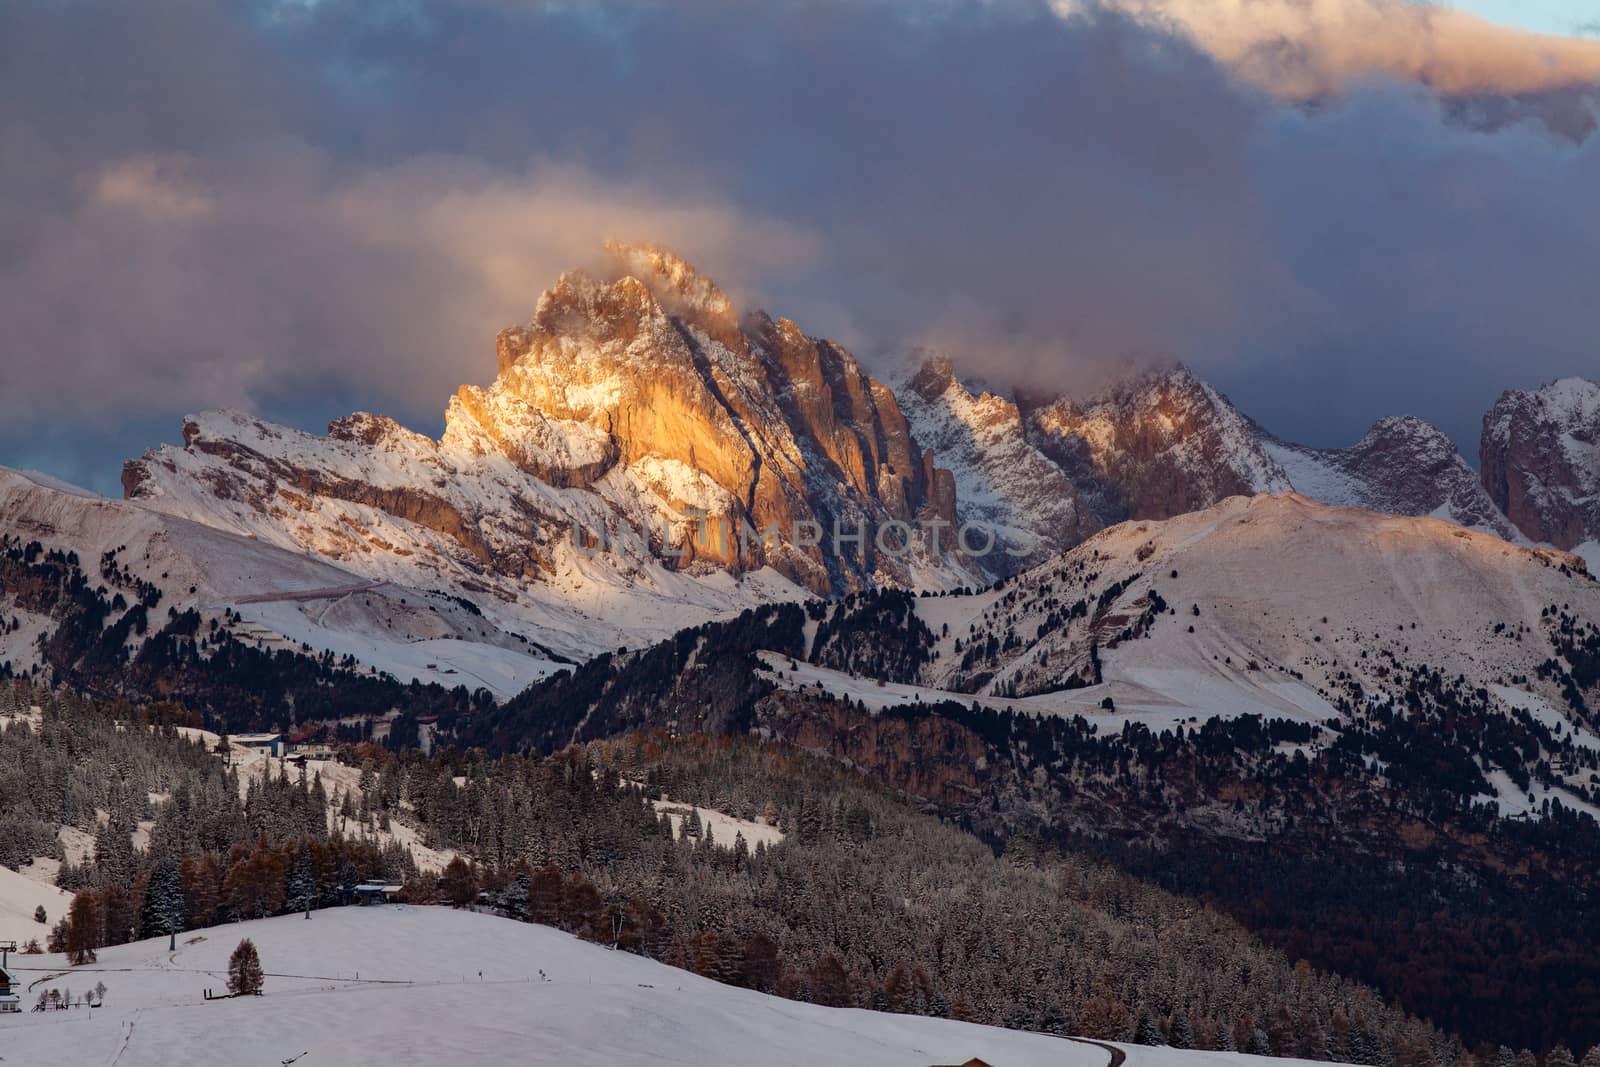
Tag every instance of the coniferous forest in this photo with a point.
(865, 901)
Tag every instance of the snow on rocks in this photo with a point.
(1540, 458)
(413, 633)
(1403, 466)
(1272, 605)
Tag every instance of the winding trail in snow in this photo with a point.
(1117, 1055)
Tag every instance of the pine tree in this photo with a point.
(165, 908)
(1148, 1031)
(83, 929)
(514, 901)
(1560, 1056)
(302, 887)
(245, 977)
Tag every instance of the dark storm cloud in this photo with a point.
(298, 207)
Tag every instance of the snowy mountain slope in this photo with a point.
(390, 504)
(1052, 470)
(1265, 572)
(1540, 459)
(1403, 466)
(19, 896)
(399, 985)
(257, 766)
(1273, 605)
(410, 632)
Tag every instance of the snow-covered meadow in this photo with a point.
(396, 985)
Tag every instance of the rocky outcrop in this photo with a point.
(1403, 466)
(756, 426)
(1540, 461)
(999, 478)
(1157, 445)
(1050, 471)
(635, 415)
(1153, 446)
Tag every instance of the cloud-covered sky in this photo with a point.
(1335, 209)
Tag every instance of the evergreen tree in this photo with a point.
(302, 887)
(245, 976)
(165, 908)
(1147, 1031)
(514, 901)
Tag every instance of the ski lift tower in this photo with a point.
(6, 949)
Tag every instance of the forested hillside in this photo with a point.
(177, 840)
(1388, 799)
(861, 899)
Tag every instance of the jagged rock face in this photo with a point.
(1540, 461)
(1155, 446)
(1403, 466)
(1159, 445)
(650, 373)
(632, 402)
(637, 401)
(999, 477)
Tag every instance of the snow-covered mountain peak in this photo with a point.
(1161, 443)
(1567, 401)
(1001, 478)
(624, 413)
(1403, 465)
(683, 290)
(1391, 429)
(933, 373)
(1540, 460)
